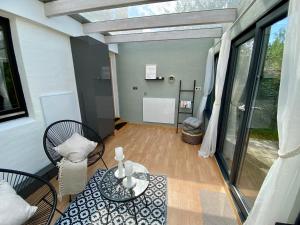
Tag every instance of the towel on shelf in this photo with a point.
(186, 104)
(192, 122)
(72, 177)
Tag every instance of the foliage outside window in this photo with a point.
(268, 92)
(12, 103)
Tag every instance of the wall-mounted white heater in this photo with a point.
(159, 110)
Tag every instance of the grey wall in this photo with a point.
(185, 59)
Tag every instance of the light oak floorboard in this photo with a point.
(162, 151)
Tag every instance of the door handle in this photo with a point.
(258, 108)
(242, 108)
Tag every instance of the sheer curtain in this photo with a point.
(276, 201)
(208, 83)
(4, 98)
(208, 146)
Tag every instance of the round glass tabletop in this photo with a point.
(112, 188)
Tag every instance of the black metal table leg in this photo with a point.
(145, 200)
(136, 222)
(132, 210)
(108, 210)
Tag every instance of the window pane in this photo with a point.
(8, 95)
(263, 140)
(237, 102)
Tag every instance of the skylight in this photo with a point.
(159, 9)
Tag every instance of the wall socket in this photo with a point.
(197, 88)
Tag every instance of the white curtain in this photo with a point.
(208, 146)
(208, 83)
(3, 90)
(276, 201)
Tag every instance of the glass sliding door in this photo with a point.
(262, 144)
(237, 100)
(248, 138)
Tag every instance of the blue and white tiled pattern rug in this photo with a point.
(88, 208)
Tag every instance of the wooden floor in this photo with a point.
(161, 150)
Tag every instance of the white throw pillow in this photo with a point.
(14, 210)
(76, 148)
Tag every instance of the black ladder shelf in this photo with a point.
(192, 91)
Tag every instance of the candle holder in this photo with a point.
(120, 172)
(129, 182)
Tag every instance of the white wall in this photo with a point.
(45, 65)
(114, 80)
(33, 10)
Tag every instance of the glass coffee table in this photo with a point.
(112, 189)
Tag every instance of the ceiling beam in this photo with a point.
(69, 7)
(165, 35)
(168, 20)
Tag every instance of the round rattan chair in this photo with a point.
(36, 191)
(58, 132)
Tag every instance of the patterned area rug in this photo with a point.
(89, 208)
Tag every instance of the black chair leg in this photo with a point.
(43, 199)
(104, 163)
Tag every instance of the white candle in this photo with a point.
(119, 153)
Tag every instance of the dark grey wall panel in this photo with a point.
(93, 78)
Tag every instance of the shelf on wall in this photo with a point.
(157, 78)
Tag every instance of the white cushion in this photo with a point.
(14, 210)
(76, 148)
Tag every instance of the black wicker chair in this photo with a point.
(58, 132)
(36, 191)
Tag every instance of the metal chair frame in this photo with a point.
(36, 191)
(59, 131)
